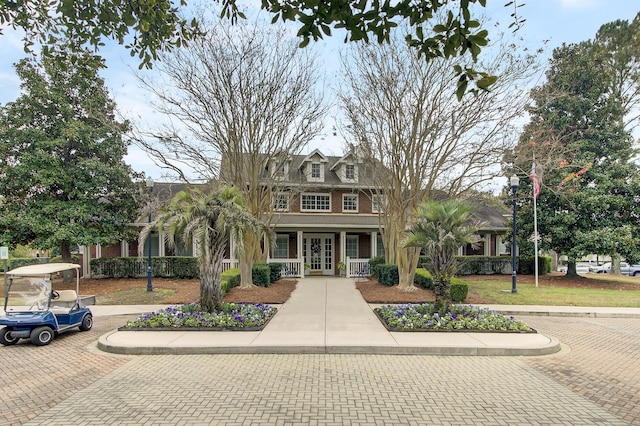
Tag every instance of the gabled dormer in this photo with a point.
(346, 168)
(313, 165)
(278, 167)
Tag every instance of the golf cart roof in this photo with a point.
(42, 269)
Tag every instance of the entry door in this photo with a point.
(318, 253)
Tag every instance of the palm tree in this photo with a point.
(441, 228)
(209, 218)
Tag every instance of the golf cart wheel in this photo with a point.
(41, 336)
(87, 323)
(6, 339)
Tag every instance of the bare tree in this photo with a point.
(245, 98)
(401, 112)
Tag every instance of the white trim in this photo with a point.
(276, 203)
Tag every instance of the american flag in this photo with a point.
(535, 179)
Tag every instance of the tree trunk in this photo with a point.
(246, 272)
(571, 268)
(211, 270)
(65, 253)
(247, 256)
(407, 263)
(442, 290)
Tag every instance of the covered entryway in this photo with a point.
(318, 251)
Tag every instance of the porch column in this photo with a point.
(374, 244)
(124, 249)
(300, 253)
(86, 261)
(487, 244)
(161, 248)
(343, 246)
(98, 251)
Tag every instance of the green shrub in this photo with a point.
(373, 265)
(229, 279)
(261, 274)
(17, 262)
(423, 279)
(275, 270)
(388, 274)
(459, 290)
(483, 265)
(527, 266)
(183, 267)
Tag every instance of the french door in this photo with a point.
(318, 253)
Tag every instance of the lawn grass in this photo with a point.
(135, 296)
(499, 292)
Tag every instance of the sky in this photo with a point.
(553, 21)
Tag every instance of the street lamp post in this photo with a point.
(514, 182)
(150, 184)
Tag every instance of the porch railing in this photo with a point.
(291, 268)
(357, 268)
(229, 264)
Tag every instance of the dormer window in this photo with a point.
(315, 170)
(350, 171)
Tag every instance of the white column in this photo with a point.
(374, 244)
(487, 244)
(124, 249)
(98, 251)
(161, 248)
(343, 246)
(300, 252)
(86, 261)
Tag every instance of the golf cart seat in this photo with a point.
(66, 301)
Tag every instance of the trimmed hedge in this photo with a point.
(527, 266)
(261, 274)
(373, 265)
(388, 274)
(275, 270)
(423, 279)
(17, 262)
(489, 265)
(459, 290)
(182, 267)
(229, 279)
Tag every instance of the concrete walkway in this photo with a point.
(328, 315)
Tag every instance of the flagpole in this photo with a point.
(535, 236)
(535, 221)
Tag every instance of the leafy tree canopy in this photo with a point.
(582, 144)
(63, 181)
(441, 28)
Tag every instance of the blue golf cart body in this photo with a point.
(35, 311)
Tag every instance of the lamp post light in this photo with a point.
(514, 182)
(150, 184)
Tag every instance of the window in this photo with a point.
(315, 202)
(281, 251)
(350, 203)
(315, 171)
(282, 203)
(377, 203)
(350, 171)
(352, 246)
(379, 246)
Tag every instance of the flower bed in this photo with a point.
(232, 317)
(422, 317)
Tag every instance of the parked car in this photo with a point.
(36, 311)
(625, 269)
(581, 268)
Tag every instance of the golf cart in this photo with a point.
(33, 310)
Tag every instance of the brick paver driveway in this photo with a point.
(595, 381)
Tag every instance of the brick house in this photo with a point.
(326, 213)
